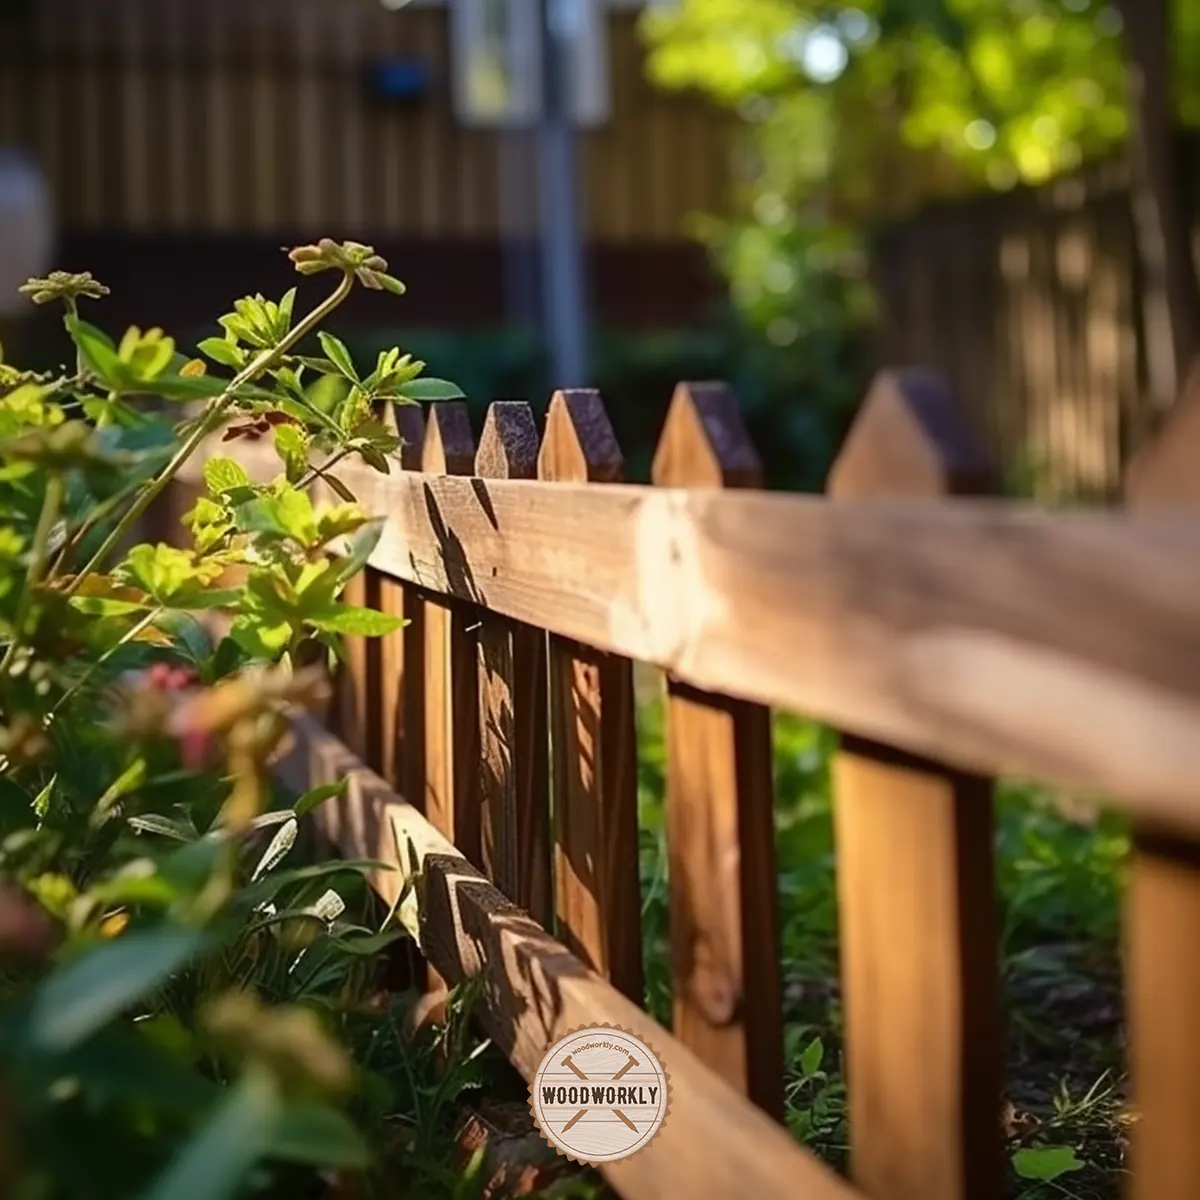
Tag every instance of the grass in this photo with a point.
(1059, 875)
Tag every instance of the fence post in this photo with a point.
(358, 682)
(593, 745)
(916, 894)
(1162, 912)
(515, 785)
(401, 667)
(720, 810)
(451, 786)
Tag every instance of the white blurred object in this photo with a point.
(497, 61)
(26, 228)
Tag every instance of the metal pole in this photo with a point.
(565, 320)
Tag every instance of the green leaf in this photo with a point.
(352, 621)
(227, 659)
(317, 796)
(362, 546)
(810, 1060)
(280, 847)
(213, 1164)
(432, 389)
(289, 514)
(317, 1134)
(224, 475)
(178, 829)
(188, 387)
(131, 1062)
(41, 802)
(98, 351)
(1046, 1163)
(265, 891)
(86, 993)
(291, 444)
(286, 306)
(336, 485)
(200, 597)
(261, 638)
(372, 944)
(191, 639)
(166, 572)
(128, 781)
(223, 351)
(338, 355)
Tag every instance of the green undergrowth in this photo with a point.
(1059, 873)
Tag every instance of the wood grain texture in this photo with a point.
(451, 688)
(515, 784)
(593, 742)
(916, 884)
(725, 976)
(1162, 912)
(399, 722)
(713, 1145)
(359, 678)
(880, 618)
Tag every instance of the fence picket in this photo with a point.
(1162, 912)
(720, 811)
(515, 785)
(451, 701)
(358, 678)
(593, 748)
(401, 663)
(916, 882)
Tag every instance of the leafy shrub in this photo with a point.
(171, 987)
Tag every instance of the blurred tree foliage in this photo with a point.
(859, 112)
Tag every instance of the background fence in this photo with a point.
(1028, 303)
(950, 640)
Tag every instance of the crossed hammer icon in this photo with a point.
(569, 1063)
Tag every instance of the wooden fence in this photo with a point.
(1028, 302)
(240, 116)
(490, 753)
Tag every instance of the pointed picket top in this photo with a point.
(449, 448)
(408, 423)
(508, 446)
(579, 445)
(909, 439)
(704, 442)
(1166, 471)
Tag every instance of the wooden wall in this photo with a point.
(240, 116)
(1027, 303)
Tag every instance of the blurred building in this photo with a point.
(186, 141)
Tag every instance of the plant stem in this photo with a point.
(210, 422)
(317, 472)
(126, 638)
(38, 560)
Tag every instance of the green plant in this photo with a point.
(172, 987)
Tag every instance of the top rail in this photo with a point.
(1061, 646)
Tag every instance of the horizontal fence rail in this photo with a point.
(949, 638)
(882, 618)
